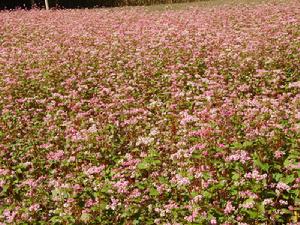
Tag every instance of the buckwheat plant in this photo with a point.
(131, 116)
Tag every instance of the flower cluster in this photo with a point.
(133, 116)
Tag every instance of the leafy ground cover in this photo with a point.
(135, 116)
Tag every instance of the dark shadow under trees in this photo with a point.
(28, 4)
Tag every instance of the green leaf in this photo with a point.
(249, 200)
(207, 195)
(261, 208)
(261, 165)
(196, 156)
(135, 222)
(56, 220)
(206, 175)
(288, 179)
(143, 166)
(233, 191)
(141, 186)
(252, 214)
(157, 162)
(153, 192)
(5, 188)
(277, 176)
(247, 144)
(106, 188)
(163, 180)
(286, 211)
(235, 176)
(237, 145)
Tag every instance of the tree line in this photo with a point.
(11, 4)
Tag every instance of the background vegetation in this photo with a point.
(83, 3)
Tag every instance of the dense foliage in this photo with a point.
(11, 4)
(128, 116)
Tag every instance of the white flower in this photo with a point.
(144, 140)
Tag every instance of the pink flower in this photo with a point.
(295, 166)
(197, 147)
(229, 208)
(94, 170)
(295, 84)
(282, 202)
(192, 217)
(92, 129)
(4, 172)
(114, 204)
(197, 199)
(187, 118)
(240, 155)
(89, 203)
(135, 193)
(144, 140)
(34, 207)
(9, 215)
(121, 186)
(2, 183)
(278, 154)
(283, 187)
(180, 180)
(255, 175)
(213, 221)
(268, 201)
(58, 155)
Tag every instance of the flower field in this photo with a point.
(134, 116)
